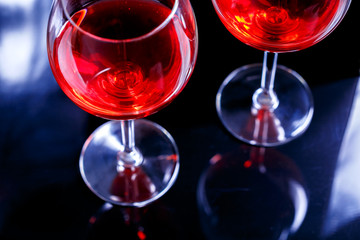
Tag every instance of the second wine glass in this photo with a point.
(124, 60)
(268, 104)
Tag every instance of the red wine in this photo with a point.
(122, 59)
(280, 25)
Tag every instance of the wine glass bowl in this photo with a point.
(124, 60)
(118, 76)
(276, 92)
(281, 26)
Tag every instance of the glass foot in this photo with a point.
(126, 185)
(264, 127)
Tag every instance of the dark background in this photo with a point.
(42, 195)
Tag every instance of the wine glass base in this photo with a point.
(264, 127)
(124, 185)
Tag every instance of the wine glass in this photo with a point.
(122, 61)
(250, 103)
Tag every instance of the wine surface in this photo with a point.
(114, 61)
(280, 25)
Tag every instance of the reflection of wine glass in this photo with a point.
(251, 193)
(155, 221)
(124, 60)
(274, 27)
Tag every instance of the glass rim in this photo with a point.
(110, 40)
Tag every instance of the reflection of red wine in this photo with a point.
(113, 67)
(279, 25)
(132, 185)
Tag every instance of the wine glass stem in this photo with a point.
(128, 135)
(265, 97)
(129, 156)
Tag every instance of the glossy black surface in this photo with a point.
(42, 195)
